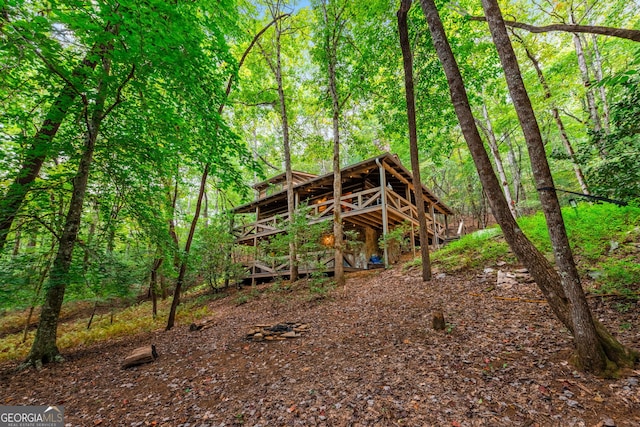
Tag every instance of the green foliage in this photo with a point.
(474, 250)
(613, 170)
(603, 237)
(133, 320)
(301, 232)
(397, 239)
(212, 256)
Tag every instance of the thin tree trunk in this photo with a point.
(493, 145)
(556, 116)
(586, 80)
(187, 248)
(545, 276)
(405, 45)
(515, 170)
(153, 285)
(597, 67)
(93, 313)
(331, 42)
(293, 256)
(203, 184)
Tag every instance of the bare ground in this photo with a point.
(370, 359)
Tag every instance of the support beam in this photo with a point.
(385, 220)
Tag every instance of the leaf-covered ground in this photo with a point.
(370, 358)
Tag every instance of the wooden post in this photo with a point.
(385, 220)
(436, 239)
(255, 250)
(446, 225)
(413, 241)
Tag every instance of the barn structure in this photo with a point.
(378, 196)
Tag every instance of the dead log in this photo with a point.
(139, 356)
(438, 321)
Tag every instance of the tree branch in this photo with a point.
(623, 33)
(119, 92)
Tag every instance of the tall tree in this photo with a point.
(589, 350)
(44, 348)
(333, 21)
(218, 137)
(275, 64)
(407, 57)
(546, 277)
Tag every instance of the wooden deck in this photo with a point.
(365, 208)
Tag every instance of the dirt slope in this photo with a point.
(369, 359)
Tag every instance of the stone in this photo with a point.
(505, 280)
(290, 334)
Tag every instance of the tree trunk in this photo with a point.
(545, 276)
(590, 352)
(597, 67)
(187, 248)
(493, 145)
(44, 348)
(203, 185)
(38, 150)
(556, 116)
(516, 170)
(331, 46)
(586, 80)
(405, 45)
(293, 256)
(153, 285)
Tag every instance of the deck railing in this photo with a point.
(350, 204)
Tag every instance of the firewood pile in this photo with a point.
(277, 332)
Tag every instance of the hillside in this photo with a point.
(370, 358)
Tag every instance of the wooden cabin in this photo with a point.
(378, 196)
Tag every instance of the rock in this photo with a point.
(290, 334)
(608, 422)
(488, 270)
(506, 280)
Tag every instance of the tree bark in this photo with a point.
(331, 47)
(293, 256)
(589, 350)
(407, 57)
(546, 277)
